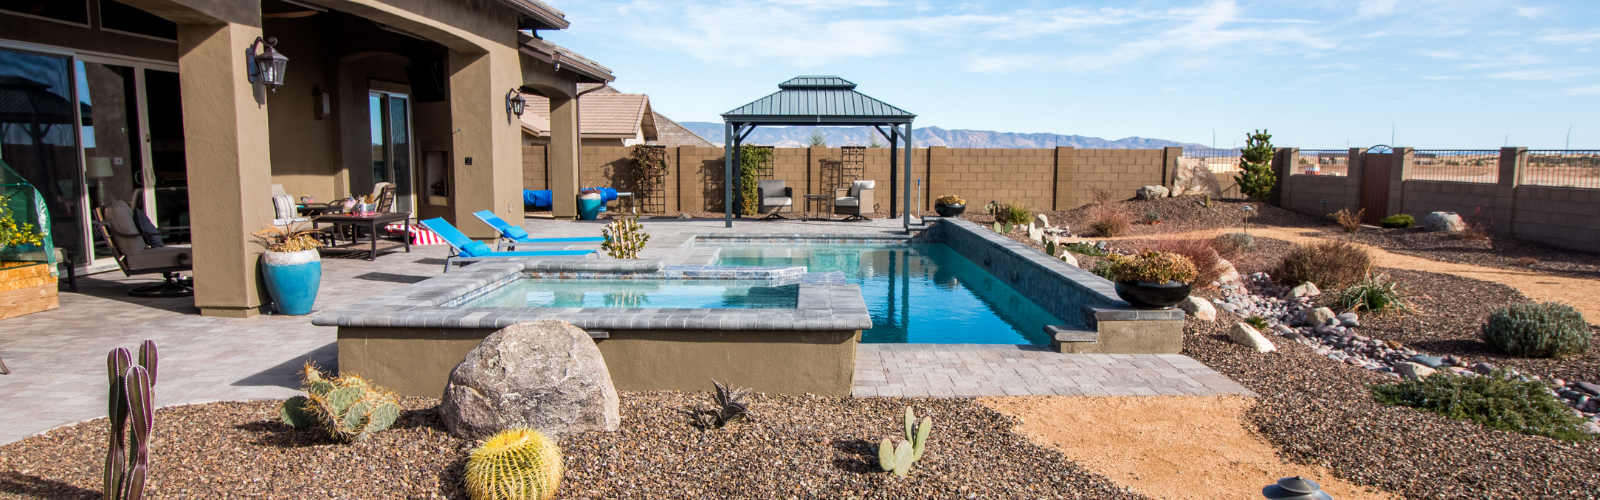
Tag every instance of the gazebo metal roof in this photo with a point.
(809, 100)
(817, 100)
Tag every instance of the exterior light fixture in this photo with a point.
(515, 104)
(267, 66)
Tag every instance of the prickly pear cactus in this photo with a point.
(516, 464)
(898, 459)
(348, 408)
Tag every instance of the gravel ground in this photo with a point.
(1180, 214)
(1317, 411)
(1499, 251)
(794, 447)
(1450, 312)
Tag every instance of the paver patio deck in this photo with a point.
(57, 357)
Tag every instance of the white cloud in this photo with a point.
(1440, 77)
(1589, 90)
(1375, 7)
(1531, 12)
(1543, 74)
(1572, 38)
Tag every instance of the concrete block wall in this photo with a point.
(1044, 179)
(1304, 194)
(1564, 217)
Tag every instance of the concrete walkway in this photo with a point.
(57, 357)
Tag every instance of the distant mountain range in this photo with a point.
(796, 137)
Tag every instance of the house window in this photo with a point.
(72, 11)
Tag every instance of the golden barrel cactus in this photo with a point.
(516, 464)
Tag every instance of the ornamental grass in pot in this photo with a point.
(1152, 280)
(949, 205)
(291, 267)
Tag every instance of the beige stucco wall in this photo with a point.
(418, 361)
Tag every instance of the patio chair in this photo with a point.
(464, 250)
(284, 210)
(853, 200)
(137, 246)
(514, 236)
(775, 197)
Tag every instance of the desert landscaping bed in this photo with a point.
(1495, 251)
(793, 447)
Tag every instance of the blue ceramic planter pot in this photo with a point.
(590, 209)
(292, 279)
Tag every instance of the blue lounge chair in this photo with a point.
(464, 250)
(514, 236)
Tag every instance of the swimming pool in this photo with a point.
(915, 292)
(643, 293)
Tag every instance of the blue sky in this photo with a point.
(1317, 74)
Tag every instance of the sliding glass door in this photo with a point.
(390, 120)
(38, 138)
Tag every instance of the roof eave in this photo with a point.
(545, 16)
(593, 72)
(817, 119)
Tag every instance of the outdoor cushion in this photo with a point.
(857, 186)
(283, 207)
(124, 231)
(780, 201)
(770, 187)
(848, 201)
(476, 249)
(515, 233)
(152, 236)
(156, 258)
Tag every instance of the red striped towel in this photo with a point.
(419, 235)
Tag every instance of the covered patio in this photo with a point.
(820, 101)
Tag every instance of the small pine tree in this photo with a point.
(874, 143)
(1255, 178)
(817, 138)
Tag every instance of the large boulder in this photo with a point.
(1443, 221)
(1041, 222)
(1152, 192)
(1247, 336)
(1198, 308)
(1226, 273)
(545, 375)
(1068, 258)
(1193, 177)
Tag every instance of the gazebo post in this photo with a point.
(727, 174)
(906, 214)
(894, 150)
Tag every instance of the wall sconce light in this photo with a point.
(267, 66)
(319, 103)
(515, 104)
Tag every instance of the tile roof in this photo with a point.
(600, 114)
(669, 133)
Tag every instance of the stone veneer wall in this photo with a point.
(1045, 179)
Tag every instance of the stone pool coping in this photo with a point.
(825, 301)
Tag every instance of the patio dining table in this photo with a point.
(372, 222)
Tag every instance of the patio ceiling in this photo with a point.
(820, 100)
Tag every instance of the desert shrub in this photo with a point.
(1152, 266)
(1204, 253)
(1330, 264)
(1398, 220)
(1543, 330)
(624, 238)
(1085, 249)
(1474, 231)
(1104, 218)
(1102, 268)
(1526, 262)
(1014, 212)
(1493, 401)
(1350, 222)
(1375, 293)
(1257, 322)
(1235, 243)
(1152, 217)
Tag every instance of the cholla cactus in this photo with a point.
(516, 464)
(624, 239)
(348, 408)
(898, 459)
(131, 401)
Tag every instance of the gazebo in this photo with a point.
(819, 101)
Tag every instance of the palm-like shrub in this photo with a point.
(1543, 330)
(1332, 265)
(1375, 293)
(516, 464)
(1013, 212)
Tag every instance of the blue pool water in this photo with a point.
(916, 293)
(753, 294)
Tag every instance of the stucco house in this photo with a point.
(176, 107)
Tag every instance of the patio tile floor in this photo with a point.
(966, 370)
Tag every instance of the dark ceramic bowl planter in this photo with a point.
(1147, 295)
(946, 210)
